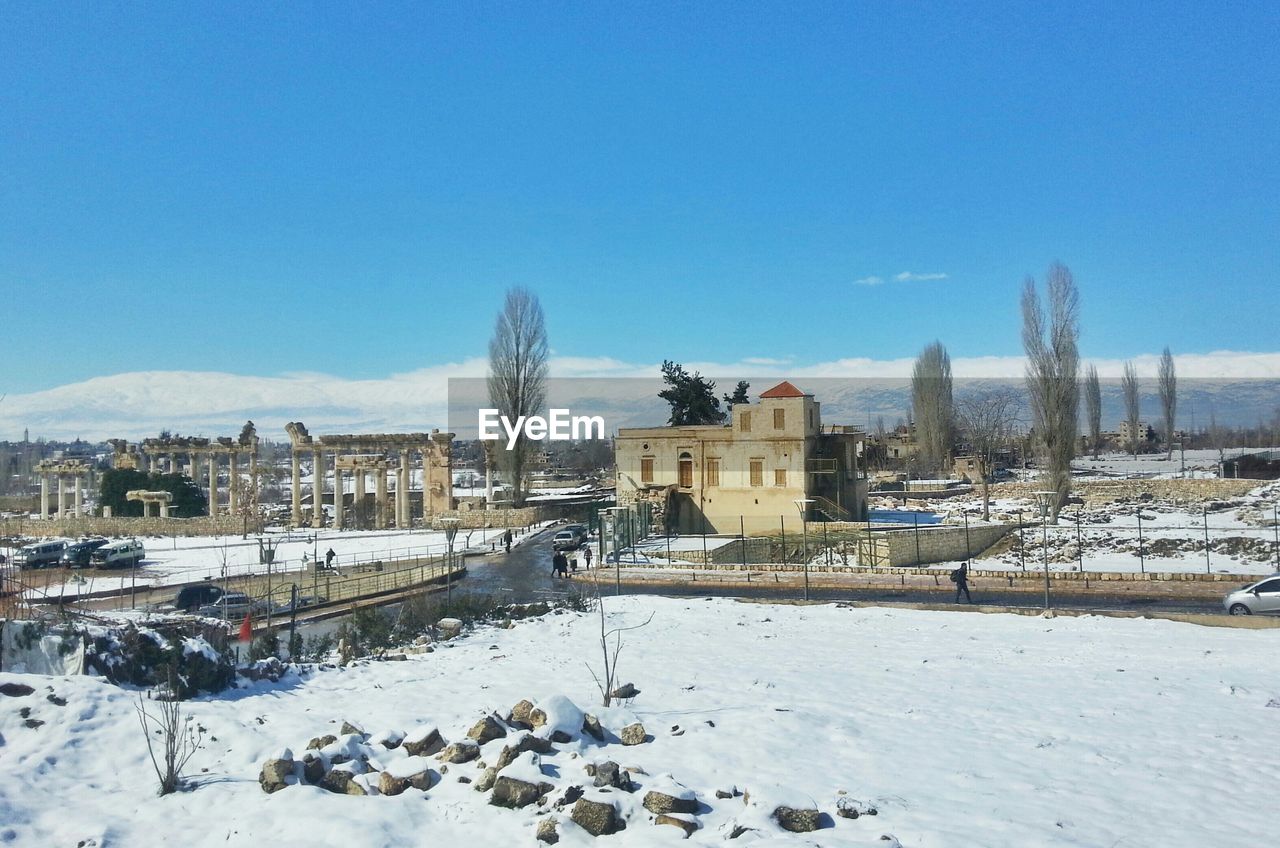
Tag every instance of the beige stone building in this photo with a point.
(748, 473)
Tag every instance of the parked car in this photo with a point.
(123, 554)
(1261, 598)
(77, 554)
(39, 555)
(191, 598)
(566, 540)
(232, 606)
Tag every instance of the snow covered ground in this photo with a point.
(1192, 463)
(961, 729)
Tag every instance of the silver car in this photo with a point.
(1262, 598)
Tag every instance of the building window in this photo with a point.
(779, 419)
(646, 469)
(713, 472)
(757, 472)
(744, 422)
(780, 477)
(686, 471)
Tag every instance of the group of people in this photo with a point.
(561, 565)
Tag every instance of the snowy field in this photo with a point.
(961, 729)
(183, 559)
(1192, 463)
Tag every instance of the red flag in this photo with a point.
(246, 629)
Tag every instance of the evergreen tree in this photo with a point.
(692, 397)
(739, 394)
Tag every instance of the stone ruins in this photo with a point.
(371, 455)
(75, 470)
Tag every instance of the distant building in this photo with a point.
(748, 473)
(1145, 434)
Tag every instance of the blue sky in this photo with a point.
(349, 188)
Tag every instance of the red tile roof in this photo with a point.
(783, 390)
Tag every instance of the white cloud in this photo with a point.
(869, 281)
(908, 277)
(139, 404)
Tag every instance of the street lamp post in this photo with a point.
(802, 504)
(1042, 498)
(450, 533)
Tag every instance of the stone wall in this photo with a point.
(1096, 492)
(934, 543)
(92, 526)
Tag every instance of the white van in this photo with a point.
(40, 555)
(118, 554)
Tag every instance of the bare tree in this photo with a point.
(1093, 408)
(518, 374)
(987, 418)
(931, 398)
(176, 738)
(1053, 363)
(1132, 406)
(606, 680)
(1168, 398)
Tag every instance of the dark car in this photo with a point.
(77, 554)
(191, 598)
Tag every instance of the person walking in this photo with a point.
(586, 556)
(559, 565)
(961, 578)
(328, 558)
(506, 540)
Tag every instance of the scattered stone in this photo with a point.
(851, 808)
(661, 802)
(721, 794)
(625, 692)
(274, 771)
(487, 779)
(312, 768)
(520, 713)
(632, 734)
(388, 784)
(450, 628)
(597, 818)
(684, 824)
(526, 743)
(572, 794)
(738, 830)
(423, 780)
(796, 820)
(462, 751)
(349, 728)
(341, 782)
(321, 742)
(547, 831)
(512, 793)
(611, 774)
(32, 723)
(15, 690)
(423, 744)
(55, 700)
(592, 727)
(462, 778)
(486, 730)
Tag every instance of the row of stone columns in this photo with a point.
(359, 466)
(161, 462)
(77, 494)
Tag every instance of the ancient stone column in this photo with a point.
(233, 480)
(195, 465)
(402, 491)
(62, 495)
(317, 487)
(213, 484)
(380, 496)
(77, 495)
(359, 496)
(44, 496)
(297, 489)
(338, 486)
